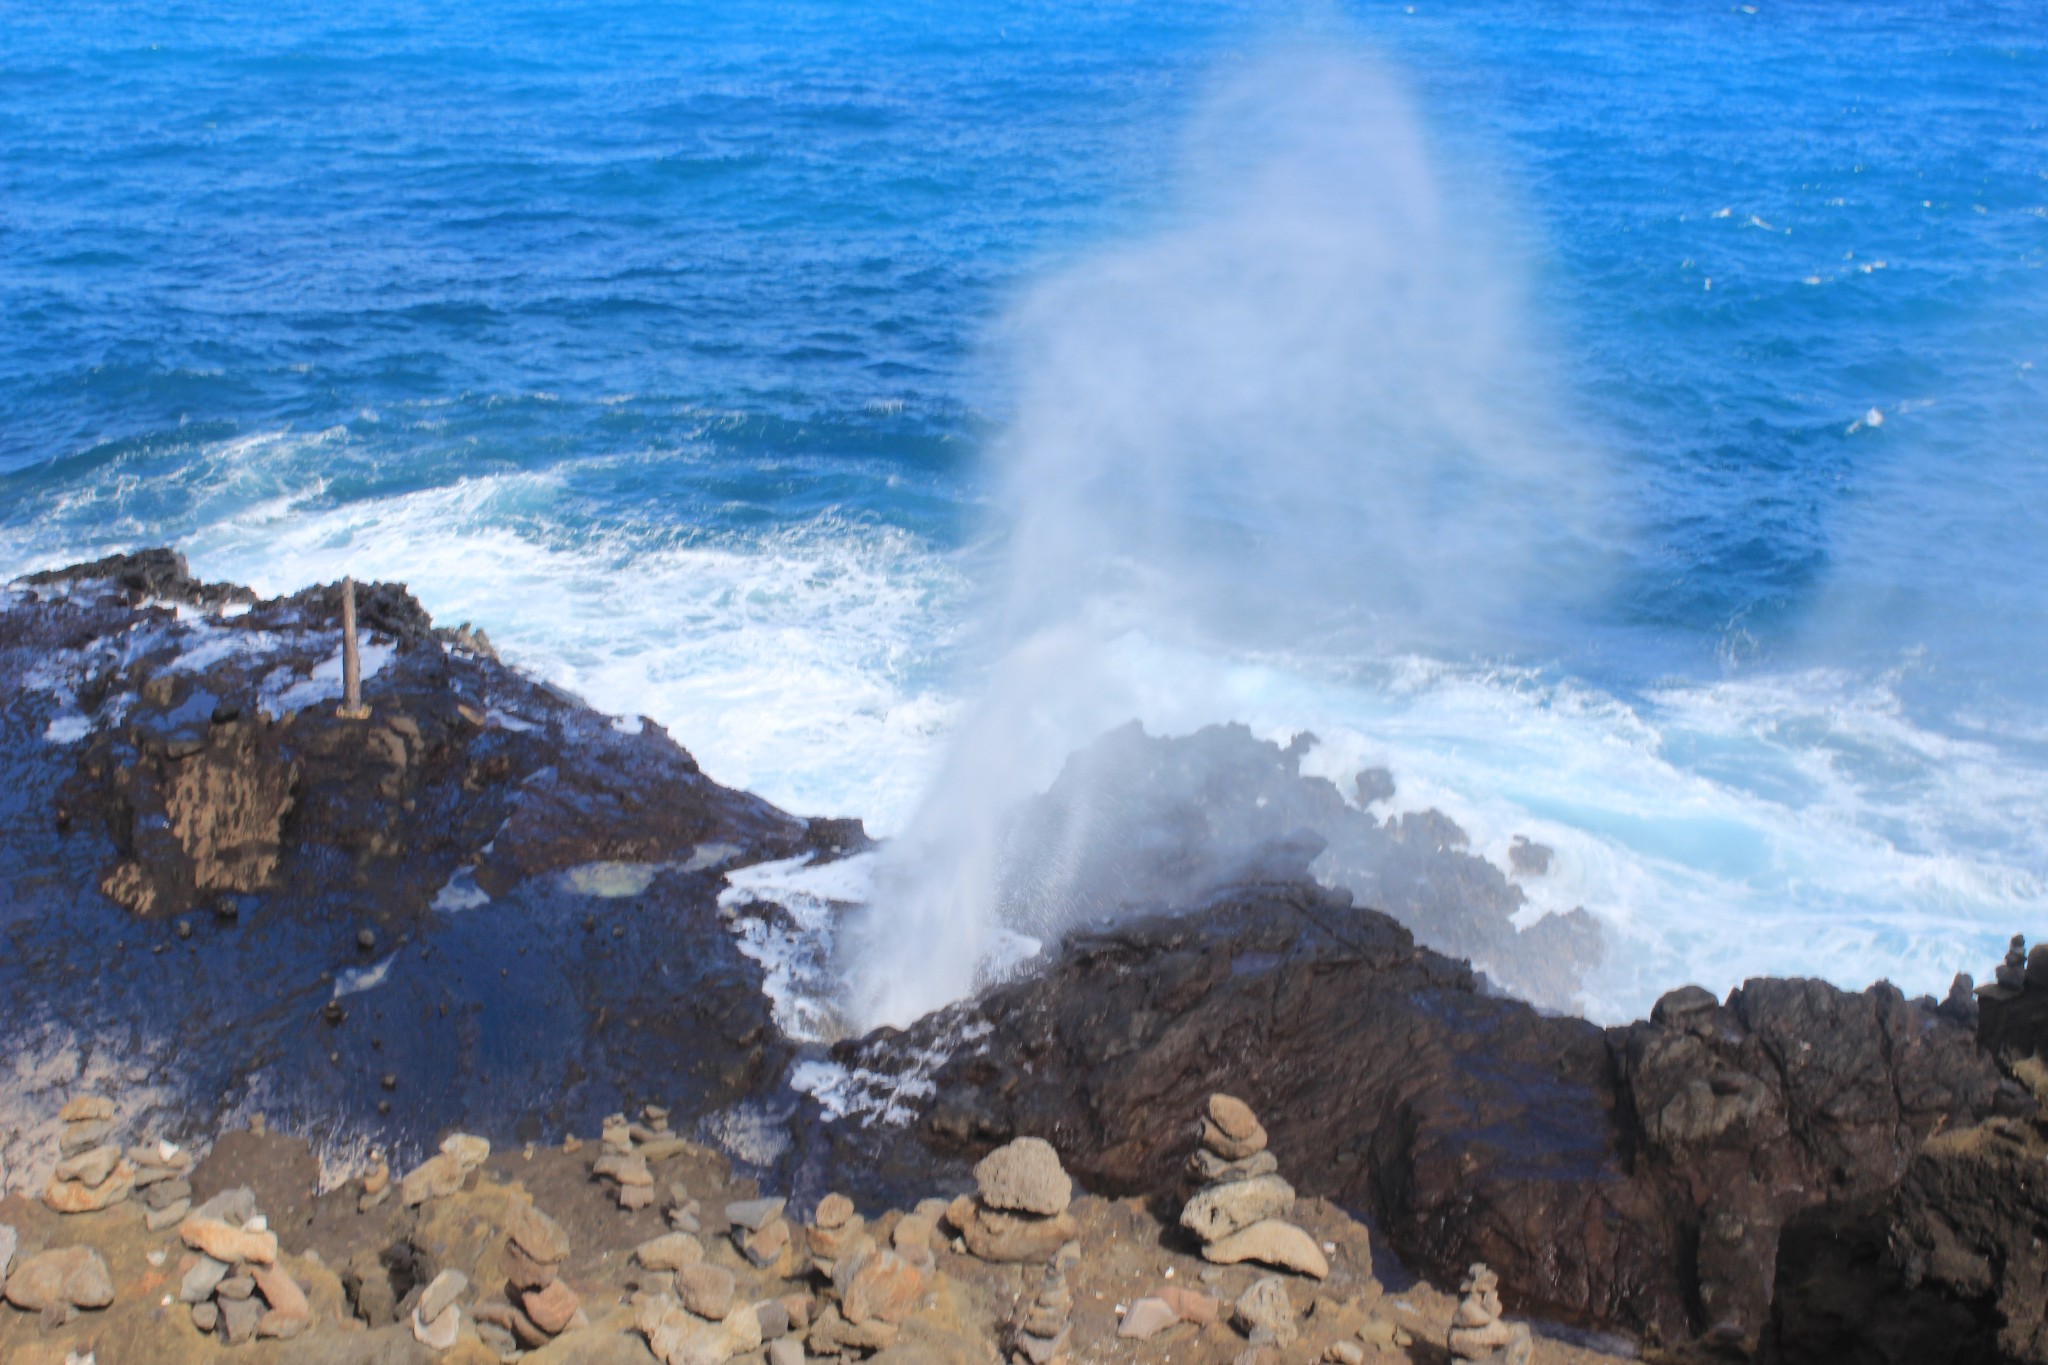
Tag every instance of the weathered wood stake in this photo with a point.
(352, 707)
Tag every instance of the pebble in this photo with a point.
(1147, 1318)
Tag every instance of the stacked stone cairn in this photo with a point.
(628, 1147)
(700, 1323)
(376, 1183)
(1477, 1333)
(443, 1174)
(835, 1227)
(876, 1287)
(437, 1317)
(2012, 973)
(1040, 1336)
(161, 1169)
(91, 1172)
(232, 1281)
(1018, 1212)
(1240, 1209)
(538, 1305)
(763, 1235)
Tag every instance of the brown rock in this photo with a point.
(1221, 1210)
(1234, 1117)
(706, 1290)
(86, 1109)
(671, 1251)
(1228, 1147)
(883, 1287)
(438, 1177)
(60, 1280)
(69, 1196)
(834, 1211)
(1147, 1318)
(289, 1313)
(833, 1335)
(90, 1167)
(551, 1306)
(1191, 1305)
(228, 1244)
(1272, 1242)
(522, 1271)
(993, 1235)
(540, 1236)
(1024, 1176)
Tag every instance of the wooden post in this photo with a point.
(352, 707)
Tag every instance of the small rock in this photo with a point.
(201, 1280)
(1024, 1176)
(235, 1287)
(366, 939)
(206, 1316)
(84, 1108)
(774, 1316)
(1274, 1243)
(1192, 1306)
(167, 1217)
(1228, 1147)
(993, 1235)
(1233, 1116)
(466, 1150)
(671, 1251)
(238, 1319)
(224, 1243)
(538, 1235)
(785, 1351)
(447, 1287)
(439, 1334)
(438, 1177)
(633, 1197)
(1212, 1169)
(83, 1136)
(1220, 1210)
(289, 1313)
(884, 1287)
(754, 1214)
(1147, 1318)
(551, 1307)
(91, 1166)
(1266, 1305)
(706, 1290)
(1344, 1353)
(522, 1271)
(61, 1280)
(765, 1247)
(71, 1196)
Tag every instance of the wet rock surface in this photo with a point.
(484, 904)
(1638, 1177)
(1138, 821)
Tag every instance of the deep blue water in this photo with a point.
(657, 339)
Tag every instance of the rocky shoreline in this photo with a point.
(256, 945)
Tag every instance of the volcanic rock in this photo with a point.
(1024, 1177)
(1266, 1307)
(224, 1243)
(706, 1290)
(671, 1251)
(59, 1281)
(1147, 1318)
(551, 1307)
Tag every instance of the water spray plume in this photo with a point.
(1300, 419)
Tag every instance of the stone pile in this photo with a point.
(91, 1172)
(376, 1183)
(1019, 1209)
(538, 1305)
(232, 1282)
(627, 1148)
(763, 1235)
(161, 1169)
(1240, 1210)
(1267, 1315)
(2012, 973)
(437, 1314)
(835, 1228)
(1040, 1336)
(703, 1327)
(443, 1174)
(1477, 1333)
(57, 1284)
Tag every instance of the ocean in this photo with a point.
(749, 367)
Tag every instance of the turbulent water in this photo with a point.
(678, 347)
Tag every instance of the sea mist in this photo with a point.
(1297, 418)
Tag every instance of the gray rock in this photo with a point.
(1025, 1176)
(165, 1193)
(201, 1280)
(238, 1319)
(206, 1315)
(1212, 1169)
(83, 1137)
(1266, 1305)
(163, 1219)
(442, 1293)
(785, 1351)
(1220, 1210)
(233, 1207)
(754, 1214)
(438, 1334)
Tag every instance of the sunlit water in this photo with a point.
(655, 340)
